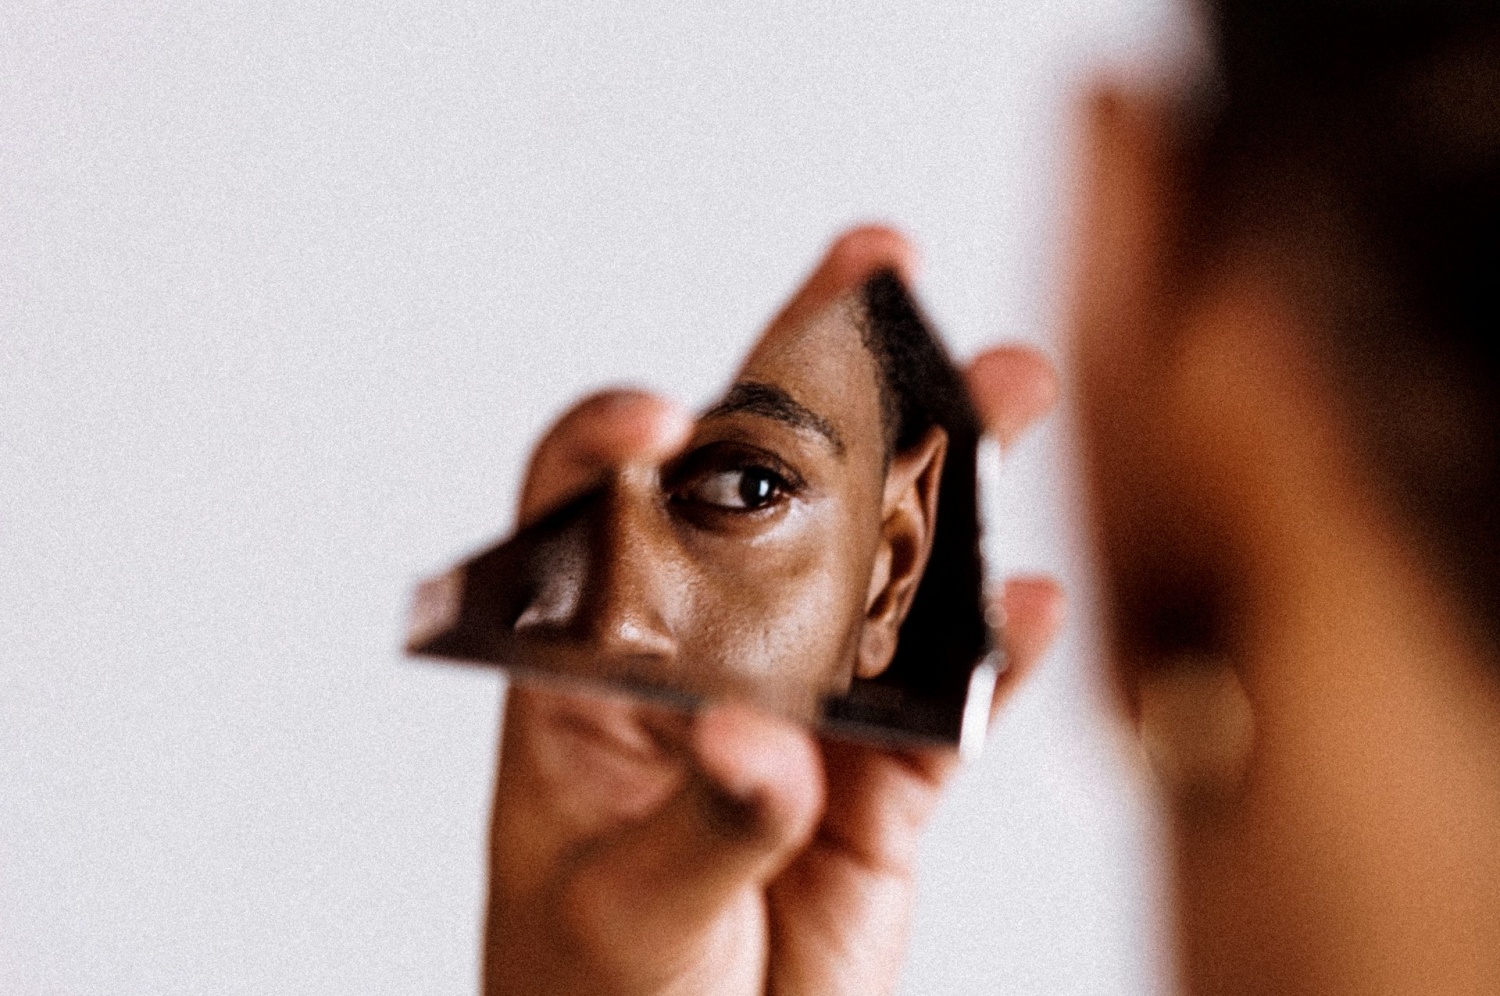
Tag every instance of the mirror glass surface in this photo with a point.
(814, 548)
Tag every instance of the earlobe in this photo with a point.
(908, 522)
(1197, 728)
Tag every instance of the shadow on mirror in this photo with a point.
(814, 548)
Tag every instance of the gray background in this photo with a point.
(287, 289)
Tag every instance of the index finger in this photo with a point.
(605, 430)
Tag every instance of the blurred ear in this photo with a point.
(1123, 292)
(908, 521)
(1121, 342)
(1124, 226)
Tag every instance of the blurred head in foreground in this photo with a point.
(1292, 417)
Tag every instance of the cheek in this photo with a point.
(780, 616)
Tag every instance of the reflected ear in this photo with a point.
(908, 522)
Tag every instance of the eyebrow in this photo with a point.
(769, 401)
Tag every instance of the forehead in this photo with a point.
(823, 363)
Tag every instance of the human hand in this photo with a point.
(639, 850)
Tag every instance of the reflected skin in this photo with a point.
(775, 555)
(1358, 851)
(635, 850)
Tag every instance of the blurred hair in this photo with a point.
(1359, 142)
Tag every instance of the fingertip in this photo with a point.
(663, 427)
(761, 761)
(610, 428)
(1036, 601)
(852, 258)
(1012, 386)
(633, 424)
(863, 250)
(1032, 610)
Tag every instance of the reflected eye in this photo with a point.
(743, 489)
(720, 481)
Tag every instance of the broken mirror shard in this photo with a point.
(814, 548)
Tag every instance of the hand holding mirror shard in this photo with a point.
(812, 548)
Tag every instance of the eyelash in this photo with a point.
(701, 467)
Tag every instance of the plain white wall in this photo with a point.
(286, 291)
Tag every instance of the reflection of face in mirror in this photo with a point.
(779, 556)
(792, 535)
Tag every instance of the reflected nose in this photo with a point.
(608, 588)
(629, 597)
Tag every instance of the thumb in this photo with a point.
(651, 900)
